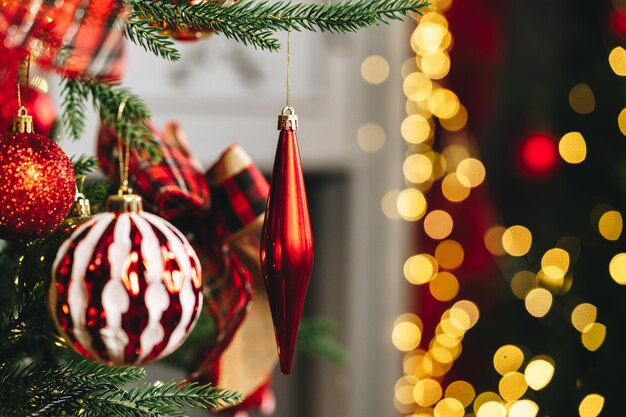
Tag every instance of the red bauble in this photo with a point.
(37, 185)
(538, 154)
(287, 241)
(191, 34)
(126, 287)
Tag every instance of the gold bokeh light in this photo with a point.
(411, 204)
(581, 99)
(538, 302)
(507, 359)
(617, 268)
(449, 407)
(583, 315)
(610, 225)
(438, 224)
(449, 254)
(420, 269)
(375, 69)
(593, 336)
(617, 60)
(524, 408)
(462, 391)
(591, 405)
(573, 148)
(539, 372)
(516, 240)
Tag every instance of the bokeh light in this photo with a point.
(538, 302)
(617, 60)
(462, 391)
(516, 240)
(371, 137)
(389, 204)
(453, 189)
(420, 269)
(493, 240)
(438, 224)
(449, 254)
(524, 408)
(538, 154)
(418, 168)
(573, 148)
(411, 204)
(591, 405)
(507, 359)
(416, 129)
(512, 386)
(375, 69)
(617, 268)
(583, 315)
(581, 99)
(471, 172)
(444, 287)
(593, 336)
(427, 392)
(610, 225)
(539, 372)
(449, 407)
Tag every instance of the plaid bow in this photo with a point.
(222, 211)
(74, 37)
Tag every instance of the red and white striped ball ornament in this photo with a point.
(126, 286)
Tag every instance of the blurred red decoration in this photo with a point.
(538, 154)
(618, 22)
(287, 240)
(37, 184)
(191, 34)
(75, 37)
(37, 103)
(126, 286)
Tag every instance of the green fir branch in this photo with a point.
(73, 108)
(107, 99)
(158, 399)
(146, 33)
(97, 192)
(84, 164)
(28, 316)
(255, 22)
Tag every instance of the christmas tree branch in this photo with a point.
(159, 400)
(84, 164)
(145, 32)
(106, 99)
(254, 23)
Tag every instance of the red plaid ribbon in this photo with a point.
(74, 37)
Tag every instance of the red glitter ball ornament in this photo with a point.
(37, 183)
(126, 286)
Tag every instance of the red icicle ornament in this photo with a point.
(287, 241)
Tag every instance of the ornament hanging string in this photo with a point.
(288, 98)
(26, 83)
(123, 151)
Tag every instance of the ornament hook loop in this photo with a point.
(288, 119)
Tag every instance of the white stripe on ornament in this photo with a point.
(61, 252)
(78, 294)
(115, 299)
(186, 295)
(156, 297)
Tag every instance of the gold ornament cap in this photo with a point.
(81, 208)
(23, 123)
(124, 203)
(288, 119)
